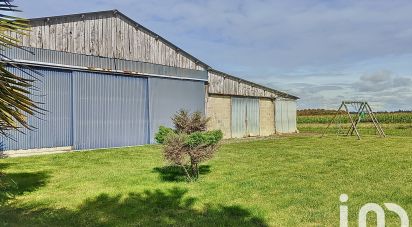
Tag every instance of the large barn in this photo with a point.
(107, 81)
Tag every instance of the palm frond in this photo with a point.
(15, 91)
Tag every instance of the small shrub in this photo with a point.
(188, 151)
(198, 122)
(162, 134)
(190, 144)
(189, 123)
(175, 149)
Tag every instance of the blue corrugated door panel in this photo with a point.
(109, 110)
(53, 127)
(168, 96)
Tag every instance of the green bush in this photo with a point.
(162, 134)
(187, 151)
(189, 144)
(204, 138)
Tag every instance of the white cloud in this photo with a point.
(381, 81)
(383, 89)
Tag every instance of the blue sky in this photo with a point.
(322, 51)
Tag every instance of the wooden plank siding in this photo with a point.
(223, 85)
(107, 34)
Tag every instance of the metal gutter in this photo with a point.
(64, 60)
(91, 69)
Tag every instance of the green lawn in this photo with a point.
(284, 181)
(394, 129)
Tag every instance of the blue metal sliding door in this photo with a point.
(167, 96)
(109, 110)
(89, 110)
(52, 128)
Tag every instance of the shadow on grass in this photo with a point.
(150, 208)
(176, 173)
(15, 184)
(4, 166)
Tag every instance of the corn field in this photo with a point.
(387, 118)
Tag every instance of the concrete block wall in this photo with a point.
(267, 117)
(219, 112)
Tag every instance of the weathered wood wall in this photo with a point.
(106, 34)
(222, 84)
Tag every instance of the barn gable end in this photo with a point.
(107, 34)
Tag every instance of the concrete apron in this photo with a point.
(34, 152)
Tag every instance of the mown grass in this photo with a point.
(399, 129)
(286, 181)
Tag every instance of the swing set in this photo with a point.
(358, 112)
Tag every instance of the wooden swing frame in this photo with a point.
(363, 107)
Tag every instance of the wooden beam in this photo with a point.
(352, 122)
(333, 119)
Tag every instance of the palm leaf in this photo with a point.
(15, 91)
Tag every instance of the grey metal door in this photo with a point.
(285, 116)
(245, 117)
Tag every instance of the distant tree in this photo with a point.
(314, 112)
